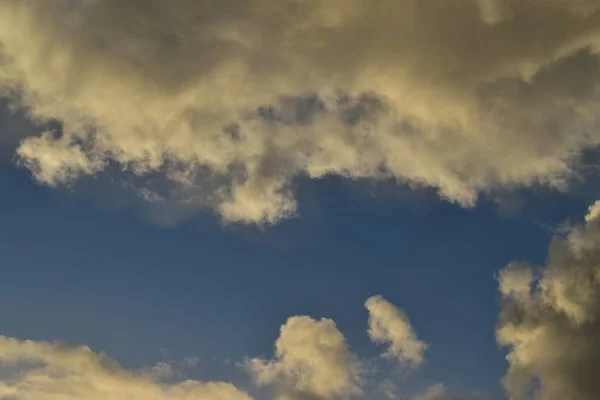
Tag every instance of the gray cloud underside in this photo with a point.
(230, 101)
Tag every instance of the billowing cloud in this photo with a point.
(49, 371)
(550, 319)
(229, 102)
(312, 362)
(389, 325)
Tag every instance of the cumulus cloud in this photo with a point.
(230, 102)
(550, 319)
(312, 362)
(49, 371)
(389, 325)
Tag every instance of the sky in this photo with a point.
(299, 200)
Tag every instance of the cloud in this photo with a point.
(550, 319)
(385, 389)
(312, 362)
(389, 325)
(172, 370)
(439, 392)
(228, 103)
(433, 392)
(14, 127)
(50, 371)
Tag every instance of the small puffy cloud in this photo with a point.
(385, 389)
(172, 370)
(433, 392)
(516, 280)
(50, 371)
(593, 212)
(550, 320)
(226, 104)
(312, 362)
(389, 325)
(163, 370)
(439, 392)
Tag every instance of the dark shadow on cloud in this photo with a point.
(293, 110)
(304, 109)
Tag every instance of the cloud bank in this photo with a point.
(226, 104)
(550, 319)
(50, 371)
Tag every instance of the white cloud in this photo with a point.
(312, 361)
(465, 96)
(389, 325)
(433, 392)
(163, 370)
(385, 389)
(51, 371)
(439, 392)
(593, 212)
(551, 323)
(516, 280)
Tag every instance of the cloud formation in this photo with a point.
(228, 103)
(389, 325)
(51, 371)
(550, 319)
(439, 392)
(312, 362)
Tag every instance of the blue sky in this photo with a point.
(78, 274)
(318, 200)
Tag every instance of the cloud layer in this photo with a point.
(222, 106)
(550, 319)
